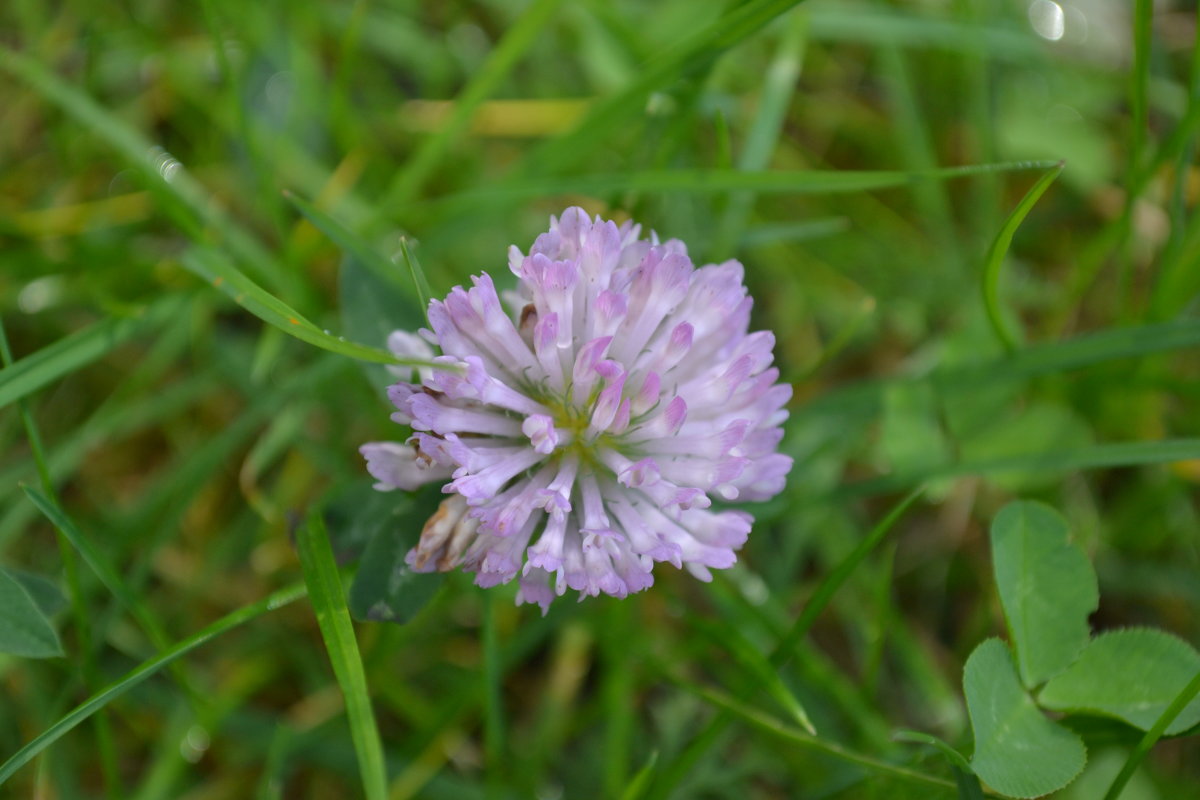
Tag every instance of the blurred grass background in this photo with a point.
(184, 437)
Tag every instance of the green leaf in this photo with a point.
(1132, 675)
(999, 248)
(44, 592)
(378, 528)
(371, 309)
(24, 630)
(1186, 695)
(356, 511)
(1104, 764)
(385, 588)
(1047, 588)
(329, 603)
(1018, 752)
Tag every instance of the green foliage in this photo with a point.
(1130, 674)
(969, 787)
(385, 588)
(143, 671)
(1017, 750)
(371, 308)
(1039, 427)
(44, 592)
(24, 629)
(1047, 588)
(755, 663)
(353, 246)
(639, 782)
(1147, 678)
(911, 439)
(999, 249)
(222, 274)
(329, 602)
(376, 529)
(420, 281)
(859, 159)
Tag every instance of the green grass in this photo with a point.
(329, 602)
(211, 215)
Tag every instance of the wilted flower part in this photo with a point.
(584, 436)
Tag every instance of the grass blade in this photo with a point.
(766, 127)
(877, 25)
(708, 736)
(717, 181)
(969, 787)
(638, 784)
(349, 243)
(222, 274)
(493, 702)
(774, 727)
(999, 249)
(1164, 294)
(141, 673)
(953, 756)
(759, 235)
(1153, 735)
(83, 633)
(865, 397)
(617, 694)
(165, 176)
(99, 564)
(1138, 112)
(329, 602)
(733, 643)
(693, 53)
(420, 282)
(916, 148)
(1112, 454)
(839, 340)
(79, 349)
(1106, 345)
(834, 580)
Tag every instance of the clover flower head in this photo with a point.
(584, 436)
